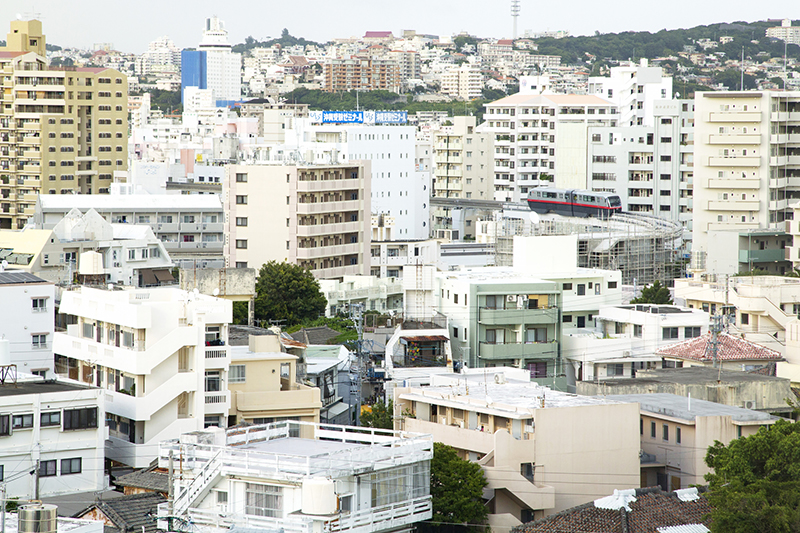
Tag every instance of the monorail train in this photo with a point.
(573, 202)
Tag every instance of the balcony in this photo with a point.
(328, 185)
(328, 251)
(735, 116)
(328, 207)
(197, 227)
(762, 256)
(733, 205)
(328, 229)
(218, 402)
(753, 139)
(745, 161)
(737, 183)
(260, 402)
(217, 357)
(501, 317)
(517, 350)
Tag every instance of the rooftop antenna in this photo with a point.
(514, 16)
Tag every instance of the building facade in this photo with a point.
(61, 131)
(160, 356)
(361, 73)
(27, 321)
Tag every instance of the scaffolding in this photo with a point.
(644, 248)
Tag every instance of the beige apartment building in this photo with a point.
(361, 73)
(62, 131)
(747, 162)
(317, 216)
(464, 82)
(263, 382)
(542, 451)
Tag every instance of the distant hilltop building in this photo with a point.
(785, 32)
(213, 65)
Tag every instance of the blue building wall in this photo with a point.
(193, 70)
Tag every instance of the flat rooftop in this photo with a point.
(299, 447)
(676, 406)
(10, 277)
(691, 375)
(41, 386)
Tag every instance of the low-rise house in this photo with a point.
(128, 513)
(676, 432)
(647, 510)
(262, 380)
(151, 479)
(535, 445)
(729, 387)
(299, 477)
(57, 425)
(727, 351)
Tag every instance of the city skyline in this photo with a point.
(81, 24)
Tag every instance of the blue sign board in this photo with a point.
(343, 117)
(391, 117)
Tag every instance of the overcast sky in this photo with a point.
(130, 25)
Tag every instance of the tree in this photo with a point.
(654, 294)
(379, 416)
(457, 492)
(287, 292)
(755, 484)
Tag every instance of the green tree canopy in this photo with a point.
(457, 490)
(755, 484)
(287, 292)
(654, 294)
(379, 416)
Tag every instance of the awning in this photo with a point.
(162, 274)
(336, 409)
(424, 338)
(148, 278)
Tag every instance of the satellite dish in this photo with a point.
(215, 292)
(534, 216)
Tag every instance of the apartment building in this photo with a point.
(301, 477)
(222, 65)
(27, 322)
(262, 380)
(61, 131)
(190, 226)
(536, 446)
(463, 167)
(160, 356)
(676, 433)
(409, 65)
(746, 165)
(785, 32)
(541, 138)
(464, 82)
(361, 73)
(58, 424)
(634, 89)
(374, 293)
(399, 192)
(649, 167)
(318, 216)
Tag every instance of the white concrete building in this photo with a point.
(633, 89)
(464, 82)
(161, 357)
(60, 425)
(399, 190)
(542, 138)
(785, 32)
(189, 225)
(27, 322)
(301, 477)
(223, 67)
(746, 162)
(374, 293)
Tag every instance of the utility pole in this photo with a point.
(713, 346)
(357, 316)
(36, 482)
(171, 491)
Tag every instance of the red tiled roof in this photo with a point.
(652, 509)
(378, 35)
(731, 348)
(505, 41)
(10, 54)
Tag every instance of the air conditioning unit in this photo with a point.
(511, 298)
(749, 404)
(626, 353)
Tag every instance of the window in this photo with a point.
(566, 286)
(241, 178)
(236, 373)
(5, 425)
(678, 435)
(455, 298)
(665, 432)
(652, 430)
(399, 484)
(455, 333)
(47, 468)
(241, 221)
(666, 158)
(84, 418)
(241, 264)
(641, 426)
(669, 333)
(612, 284)
(241, 199)
(745, 319)
(581, 289)
(285, 368)
(491, 302)
(50, 419)
(22, 421)
(691, 332)
(127, 339)
(213, 381)
(241, 244)
(71, 466)
(637, 330)
(39, 340)
(263, 500)
(88, 330)
(567, 319)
